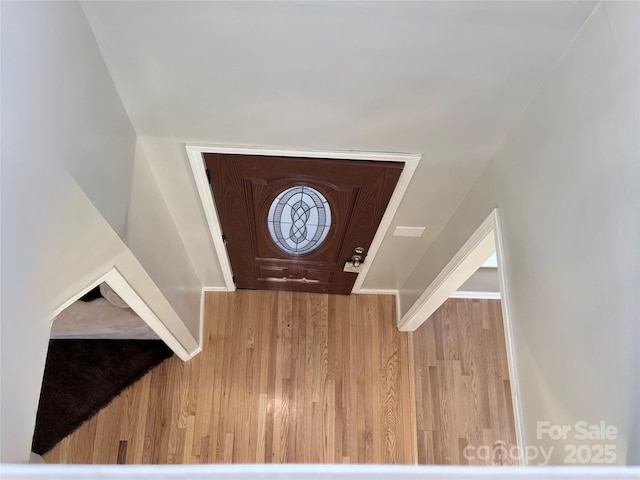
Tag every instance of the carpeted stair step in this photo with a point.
(82, 376)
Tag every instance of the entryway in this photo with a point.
(297, 224)
(298, 220)
(305, 378)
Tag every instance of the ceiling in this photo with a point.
(447, 80)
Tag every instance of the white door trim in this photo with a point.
(194, 152)
(483, 242)
(507, 321)
(125, 291)
(464, 263)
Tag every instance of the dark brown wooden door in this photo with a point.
(293, 223)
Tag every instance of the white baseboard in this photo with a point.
(477, 295)
(378, 291)
(215, 289)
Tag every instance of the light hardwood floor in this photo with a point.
(292, 377)
(463, 394)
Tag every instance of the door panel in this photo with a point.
(354, 194)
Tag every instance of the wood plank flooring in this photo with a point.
(463, 394)
(283, 377)
(294, 377)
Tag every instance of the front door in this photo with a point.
(293, 223)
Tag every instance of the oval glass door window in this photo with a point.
(299, 220)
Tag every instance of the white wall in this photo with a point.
(413, 77)
(567, 182)
(64, 133)
(168, 161)
(67, 161)
(154, 239)
(483, 280)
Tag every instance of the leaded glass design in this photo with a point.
(299, 220)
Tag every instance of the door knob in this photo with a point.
(357, 257)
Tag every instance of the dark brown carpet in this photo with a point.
(83, 376)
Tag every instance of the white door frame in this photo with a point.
(483, 242)
(465, 262)
(194, 152)
(125, 291)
